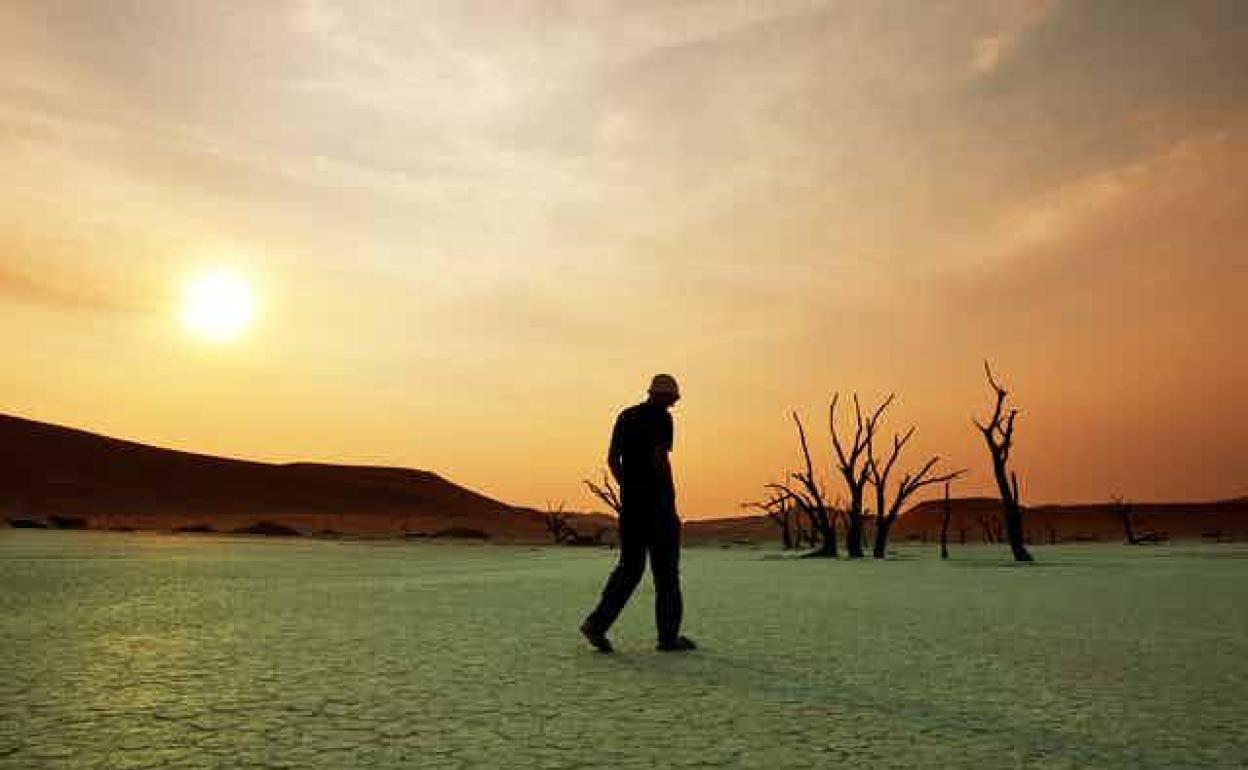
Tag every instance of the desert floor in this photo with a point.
(158, 651)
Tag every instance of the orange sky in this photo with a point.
(476, 230)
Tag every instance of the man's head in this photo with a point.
(663, 390)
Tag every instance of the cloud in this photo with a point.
(19, 285)
(1160, 232)
(1015, 19)
(86, 263)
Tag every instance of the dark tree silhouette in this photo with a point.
(808, 498)
(910, 483)
(854, 466)
(991, 529)
(780, 509)
(557, 524)
(998, 434)
(607, 492)
(1124, 511)
(944, 524)
(804, 535)
(564, 533)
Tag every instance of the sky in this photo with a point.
(476, 229)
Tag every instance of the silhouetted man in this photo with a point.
(638, 458)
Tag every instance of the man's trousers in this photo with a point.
(641, 533)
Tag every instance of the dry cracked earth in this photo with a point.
(151, 651)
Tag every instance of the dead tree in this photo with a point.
(809, 525)
(805, 535)
(1124, 511)
(560, 530)
(607, 492)
(999, 436)
(854, 466)
(782, 515)
(991, 529)
(556, 522)
(944, 524)
(809, 500)
(780, 510)
(910, 483)
(564, 533)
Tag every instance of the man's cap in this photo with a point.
(664, 384)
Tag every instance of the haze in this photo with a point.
(477, 229)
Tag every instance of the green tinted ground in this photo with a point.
(133, 651)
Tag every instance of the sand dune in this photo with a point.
(50, 471)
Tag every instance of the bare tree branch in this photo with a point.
(607, 492)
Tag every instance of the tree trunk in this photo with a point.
(1125, 512)
(828, 546)
(853, 538)
(881, 538)
(1013, 513)
(1014, 530)
(853, 529)
(944, 526)
(822, 534)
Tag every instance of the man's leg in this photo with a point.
(665, 566)
(624, 578)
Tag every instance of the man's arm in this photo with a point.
(615, 453)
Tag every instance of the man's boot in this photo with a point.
(596, 637)
(679, 644)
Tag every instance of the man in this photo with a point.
(638, 458)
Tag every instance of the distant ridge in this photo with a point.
(107, 483)
(1217, 520)
(978, 520)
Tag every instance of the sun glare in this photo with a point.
(219, 305)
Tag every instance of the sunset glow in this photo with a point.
(461, 238)
(219, 305)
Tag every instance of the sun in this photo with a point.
(218, 305)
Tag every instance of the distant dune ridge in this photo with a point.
(64, 478)
(50, 471)
(979, 520)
